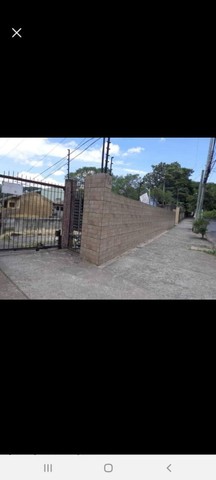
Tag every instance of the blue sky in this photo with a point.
(46, 158)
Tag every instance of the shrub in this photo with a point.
(200, 226)
(209, 214)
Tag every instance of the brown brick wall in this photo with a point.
(112, 224)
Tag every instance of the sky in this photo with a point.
(46, 158)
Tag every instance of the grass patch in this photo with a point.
(211, 252)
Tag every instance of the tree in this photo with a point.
(191, 198)
(81, 174)
(210, 197)
(156, 178)
(170, 178)
(200, 226)
(161, 197)
(129, 186)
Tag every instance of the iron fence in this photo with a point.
(30, 213)
(76, 220)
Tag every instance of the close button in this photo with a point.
(16, 32)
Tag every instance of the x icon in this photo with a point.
(16, 32)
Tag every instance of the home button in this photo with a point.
(108, 467)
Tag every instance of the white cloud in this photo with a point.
(124, 171)
(94, 155)
(26, 150)
(120, 162)
(162, 139)
(39, 178)
(30, 151)
(35, 163)
(59, 172)
(139, 172)
(51, 180)
(114, 149)
(90, 156)
(133, 150)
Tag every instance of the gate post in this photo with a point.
(70, 189)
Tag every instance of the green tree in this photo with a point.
(161, 196)
(170, 178)
(81, 174)
(210, 197)
(191, 198)
(156, 178)
(129, 186)
(200, 226)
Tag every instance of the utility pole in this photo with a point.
(164, 171)
(197, 212)
(68, 163)
(107, 154)
(102, 158)
(204, 177)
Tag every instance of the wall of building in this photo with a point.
(179, 215)
(30, 205)
(112, 224)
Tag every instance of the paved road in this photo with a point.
(169, 267)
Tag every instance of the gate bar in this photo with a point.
(33, 181)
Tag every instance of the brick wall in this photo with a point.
(112, 224)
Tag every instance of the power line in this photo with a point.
(14, 148)
(196, 154)
(5, 143)
(76, 155)
(63, 158)
(61, 141)
(60, 166)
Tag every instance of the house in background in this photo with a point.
(57, 201)
(148, 200)
(28, 205)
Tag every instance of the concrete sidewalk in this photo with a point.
(168, 267)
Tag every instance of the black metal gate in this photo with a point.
(30, 213)
(76, 220)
